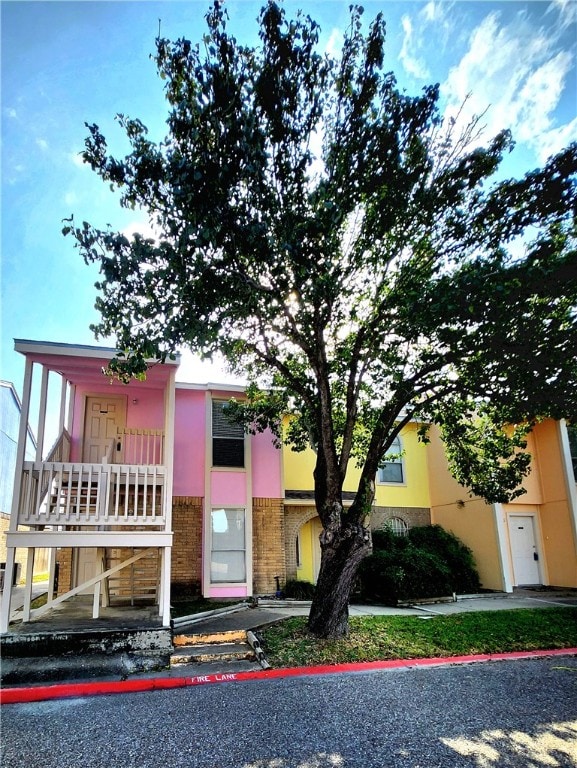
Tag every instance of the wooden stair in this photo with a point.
(138, 582)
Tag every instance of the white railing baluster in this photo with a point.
(59, 493)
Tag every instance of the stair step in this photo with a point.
(211, 652)
(232, 636)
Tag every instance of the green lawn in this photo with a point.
(373, 638)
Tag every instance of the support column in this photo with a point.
(20, 454)
(42, 415)
(64, 387)
(28, 587)
(51, 573)
(169, 410)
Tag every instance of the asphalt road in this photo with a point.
(497, 714)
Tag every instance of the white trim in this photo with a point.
(569, 475)
(63, 392)
(207, 512)
(29, 346)
(70, 414)
(47, 538)
(248, 508)
(213, 387)
(401, 461)
(503, 547)
(541, 564)
(42, 413)
(168, 459)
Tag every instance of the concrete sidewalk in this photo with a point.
(267, 612)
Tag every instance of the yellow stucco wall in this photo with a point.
(475, 525)
(414, 492)
(471, 519)
(475, 522)
(557, 532)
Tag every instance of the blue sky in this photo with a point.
(64, 63)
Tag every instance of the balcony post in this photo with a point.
(63, 390)
(20, 454)
(42, 415)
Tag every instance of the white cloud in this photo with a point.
(414, 65)
(42, 143)
(11, 112)
(143, 228)
(335, 43)
(194, 370)
(567, 10)
(71, 198)
(76, 158)
(515, 74)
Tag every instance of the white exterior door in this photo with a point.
(103, 416)
(86, 567)
(524, 551)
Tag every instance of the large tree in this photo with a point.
(336, 238)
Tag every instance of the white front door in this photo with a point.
(87, 567)
(524, 550)
(103, 416)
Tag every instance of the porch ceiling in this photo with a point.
(84, 364)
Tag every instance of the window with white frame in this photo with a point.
(392, 470)
(228, 546)
(398, 526)
(227, 438)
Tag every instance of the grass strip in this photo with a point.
(374, 638)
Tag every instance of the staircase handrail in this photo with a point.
(60, 452)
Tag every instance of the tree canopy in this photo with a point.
(338, 239)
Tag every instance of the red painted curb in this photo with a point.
(99, 688)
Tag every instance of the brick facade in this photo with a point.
(187, 544)
(413, 516)
(297, 515)
(64, 565)
(268, 544)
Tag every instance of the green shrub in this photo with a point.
(429, 562)
(458, 557)
(299, 590)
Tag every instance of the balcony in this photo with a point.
(125, 490)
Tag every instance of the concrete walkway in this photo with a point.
(269, 611)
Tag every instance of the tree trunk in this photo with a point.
(342, 552)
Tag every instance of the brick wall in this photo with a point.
(268, 551)
(295, 518)
(187, 544)
(413, 516)
(64, 562)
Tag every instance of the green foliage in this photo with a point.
(429, 562)
(299, 590)
(458, 557)
(339, 241)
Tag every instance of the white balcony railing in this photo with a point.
(139, 446)
(78, 494)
